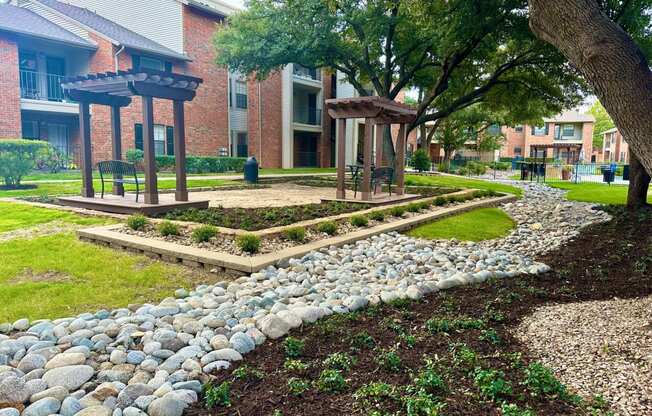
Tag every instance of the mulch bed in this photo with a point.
(605, 261)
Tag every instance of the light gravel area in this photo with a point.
(277, 195)
(600, 347)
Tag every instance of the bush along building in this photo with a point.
(279, 120)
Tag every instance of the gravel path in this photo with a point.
(601, 347)
(153, 359)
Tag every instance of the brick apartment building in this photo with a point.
(279, 120)
(567, 130)
(614, 148)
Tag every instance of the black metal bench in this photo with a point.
(379, 176)
(119, 170)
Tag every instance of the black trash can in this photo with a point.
(626, 172)
(251, 170)
(608, 175)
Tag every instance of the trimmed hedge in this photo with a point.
(203, 164)
(18, 158)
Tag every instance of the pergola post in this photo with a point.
(367, 155)
(181, 193)
(86, 153)
(116, 146)
(400, 160)
(151, 187)
(341, 158)
(380, 128)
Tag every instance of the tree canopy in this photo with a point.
(459, 52)
(602, 123)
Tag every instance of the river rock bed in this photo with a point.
(153, 359)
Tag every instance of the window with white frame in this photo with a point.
(241, 94)
(159, 139)
(540, 130)
(568, 130)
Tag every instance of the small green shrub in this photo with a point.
(439, 201)
(420, 160)
(134, 156)
(429, 379)
(217, 395)
(409, 340)
(137, 222)
(463, 356)
(362, 340)
(296, 234)
(490, 336)
(541, 381)
(167, 228)
(372, 395)
(247, 373)
(492, 384)
(249, 243)
(203, 233)
(18, 158)
(359, 221)
(340, 361)
(298, 386)
(511, 409)
(389, 361)
(422, 403)
(296, 366)
(293, 347)
(397, 211)
(436, 325)
(330, 381)
(327, 227)
(413, 207)
(377, 215)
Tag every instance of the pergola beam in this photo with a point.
(151, 185)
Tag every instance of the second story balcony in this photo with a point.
(41, 86)
(308, 115)
(303, 72)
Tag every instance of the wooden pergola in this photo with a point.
(379, 112)
(115, 89)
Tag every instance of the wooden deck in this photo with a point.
(128, 205)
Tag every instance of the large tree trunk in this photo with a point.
(610, 61)
(639, 183)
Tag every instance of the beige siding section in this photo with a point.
(54, 18)
(158, 20)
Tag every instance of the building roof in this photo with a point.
(614, 130)
(571, 117)
(213, 7)
(118, 34)
(25, 22)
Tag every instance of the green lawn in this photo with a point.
(57, 276)
(477, 225)
(72, 188)
(593, 192)
(15, 216)
(450, 181)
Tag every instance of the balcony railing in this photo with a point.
(40, 86)
(305, 115)
(307, 73)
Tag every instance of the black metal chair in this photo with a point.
(118, 169)
(378, 177)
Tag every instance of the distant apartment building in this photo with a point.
(279, 120)
(614, 148)
(568, 136)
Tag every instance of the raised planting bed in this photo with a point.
(254, 219)
(220, 248)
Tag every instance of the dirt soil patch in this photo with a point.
(477, 366)
(29, 276)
